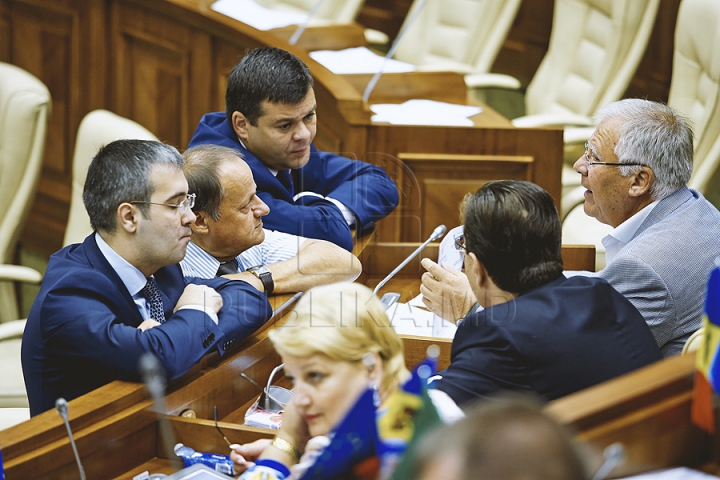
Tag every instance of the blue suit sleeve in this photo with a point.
(310, 217)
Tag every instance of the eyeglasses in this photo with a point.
(589, 162)
(183, 206)
(460, 243)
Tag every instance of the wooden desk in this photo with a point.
(163, 63)
(117, 431)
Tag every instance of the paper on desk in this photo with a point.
(673, 474)
(257, 16)
(358, 60)
(425, 112)
(409, 320)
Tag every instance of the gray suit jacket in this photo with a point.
(664, 269)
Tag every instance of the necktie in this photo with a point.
(228, 267)
(284, 177)
(151, 292)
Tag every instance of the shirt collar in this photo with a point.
(132, 278)
(625, 232)
(202, 264)
(274, 172)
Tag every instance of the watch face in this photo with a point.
(260, 269)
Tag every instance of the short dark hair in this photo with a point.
(120, 172)
(268, 74)
(513, 228)
(202, 164)
(505, 437)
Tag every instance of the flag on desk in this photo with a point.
(371, 443)
(707, 366)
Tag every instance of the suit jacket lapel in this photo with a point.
(97, 261)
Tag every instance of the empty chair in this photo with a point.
(24, 111)
(595, 48)
(462, 36)
(98, 128)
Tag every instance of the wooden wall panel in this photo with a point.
(62, 43)
(162, 72)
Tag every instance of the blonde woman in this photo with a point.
(337, 343)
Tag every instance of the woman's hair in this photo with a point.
(343, 321)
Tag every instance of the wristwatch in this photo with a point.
(263, 273)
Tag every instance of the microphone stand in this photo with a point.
(390, 298)
(373, 81)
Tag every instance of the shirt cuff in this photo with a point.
(347, 214)
(213, 316)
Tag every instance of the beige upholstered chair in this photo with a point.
(330, 12)
(98, 128)
(694, 341)
(462, 36)
(694, 91)
(695, 87)
(24, 111)
(595, 48)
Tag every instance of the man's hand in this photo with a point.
(148, 324)
(200, 295)
(244, 455)
(446, 291)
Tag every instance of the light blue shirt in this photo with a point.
(276, 247)
(135, 281)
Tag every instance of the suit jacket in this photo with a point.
(365, 189)
(81, 332)
(664, 269)
(554, 340)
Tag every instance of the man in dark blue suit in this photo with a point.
(538, 331)
(270, 116)
(121, 293)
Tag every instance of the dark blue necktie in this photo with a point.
(151, 292)
(228, 268)
(284, 177)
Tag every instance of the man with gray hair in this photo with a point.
(665, 239)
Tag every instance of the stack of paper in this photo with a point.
(425, 112)
(257, 16)
(358, 60)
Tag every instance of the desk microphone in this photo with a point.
(614, 455)
(390, 298)
(373, 81)
(301, 28)
(153, 376)
(62, 407)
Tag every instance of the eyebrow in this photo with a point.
(593, 149)
(178, 194)
(283, 120)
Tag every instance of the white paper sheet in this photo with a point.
(257, 16)
(673, 474)
(358, 60)
(409, 320)
(425, 112)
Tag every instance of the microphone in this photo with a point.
(373, 81)
(390, 298)
(614, 455)
(301, 28)
(153, 376)
(62, 407)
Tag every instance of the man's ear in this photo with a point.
(477, 268)
(200, 226)
(127, 217)
(642, 182)
(240, 124)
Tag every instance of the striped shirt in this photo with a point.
(276, 247)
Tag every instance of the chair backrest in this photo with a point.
(695, 85)
(457, 35)
(694, 341)
(24, 112)
(98, 128)
(331, 11)
(595, 48)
